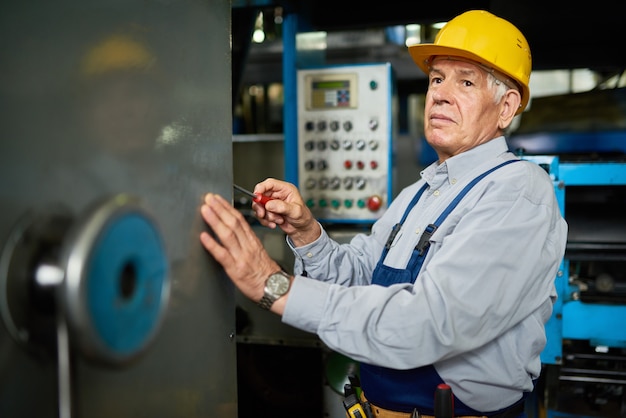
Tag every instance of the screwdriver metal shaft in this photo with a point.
(258, 198)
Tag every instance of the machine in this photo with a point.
(585, 357)
(112, 132)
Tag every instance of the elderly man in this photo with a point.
(456, 280)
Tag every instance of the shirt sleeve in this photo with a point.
(490, 266)
(349, 264)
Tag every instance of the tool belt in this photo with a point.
(378, 412)
(357, 406)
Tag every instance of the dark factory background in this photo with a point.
(117, 116)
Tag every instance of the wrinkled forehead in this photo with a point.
(434, 61)
(464, 63)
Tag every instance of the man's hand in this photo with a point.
(286, 210)
(236, 247)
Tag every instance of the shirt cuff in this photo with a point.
(305, 305)
(311, 249)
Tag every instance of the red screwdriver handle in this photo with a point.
(261, 199)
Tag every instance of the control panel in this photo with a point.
(345, 135)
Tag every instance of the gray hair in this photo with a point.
(499, 87)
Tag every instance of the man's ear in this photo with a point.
(508, 106)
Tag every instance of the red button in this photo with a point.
(374, 203)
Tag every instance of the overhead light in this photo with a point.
(258, 36)
(413, 34)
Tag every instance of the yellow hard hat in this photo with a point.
(480, 36)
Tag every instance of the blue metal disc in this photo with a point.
(124, 284)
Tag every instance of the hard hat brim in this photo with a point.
(422, 53)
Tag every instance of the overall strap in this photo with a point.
(396, 227)
(421, 249)
(466, 189)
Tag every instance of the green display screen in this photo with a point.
(331, 91)
(331, 84)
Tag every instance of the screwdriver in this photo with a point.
(258, 198)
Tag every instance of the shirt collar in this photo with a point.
(460, 165)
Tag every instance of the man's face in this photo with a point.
(460, 112)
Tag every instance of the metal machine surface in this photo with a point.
(586, 351)
(585, 146)
(112, 132)
(345, 141)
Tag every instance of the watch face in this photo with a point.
(277, 284)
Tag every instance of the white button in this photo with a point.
(436, 192)
(453, 181)
(309, 255)
(417, 231)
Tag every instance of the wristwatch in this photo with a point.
(276, 285)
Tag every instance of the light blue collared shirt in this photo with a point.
(479, 304)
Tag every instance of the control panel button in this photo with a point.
(322, 165)
(373, 124)
(374, 203)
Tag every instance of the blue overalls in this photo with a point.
(415, 387)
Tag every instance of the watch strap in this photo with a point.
(267, 301)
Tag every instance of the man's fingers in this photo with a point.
(230, 227)
(215, 248)
(226, 222)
